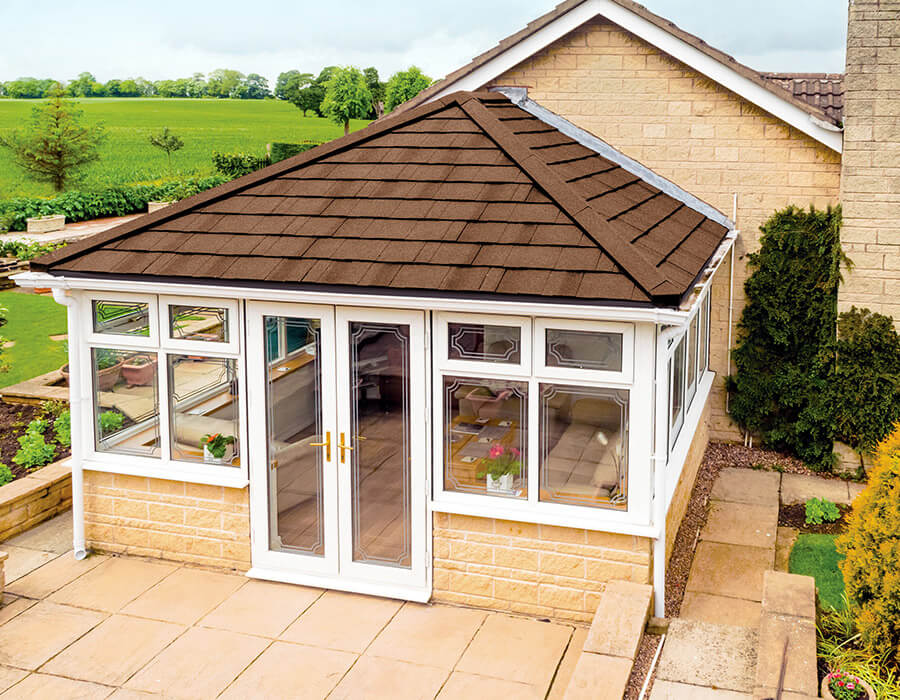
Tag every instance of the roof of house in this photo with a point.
(775, 87)
(822, 90)
(468, 194)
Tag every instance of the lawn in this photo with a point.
(816, 556)
(205, 125)
(31, 320)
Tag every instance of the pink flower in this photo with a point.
(851, 686)
(496, 451)
(515, 451)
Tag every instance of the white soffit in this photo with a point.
(713, 69)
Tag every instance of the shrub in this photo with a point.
(867, 381)
(785, 348)
(821, 510)
(62, 429)
(112, 201)
(279, 151)
(110, 422)
(872, 548)
(28, 250)
(6, 474)
(237, 164)
(33, 449)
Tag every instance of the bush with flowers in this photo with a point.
(501, 461)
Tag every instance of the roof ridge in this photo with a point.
(621, 250)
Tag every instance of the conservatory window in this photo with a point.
(676, 391)
(484, 343)
(120, 317)
(584, 350)
(203, 323)
(704, 336)
(691, 378)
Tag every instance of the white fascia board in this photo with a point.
(712, 68)
(384, 301)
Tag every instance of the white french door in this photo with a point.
(338, 447)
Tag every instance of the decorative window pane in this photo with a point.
(704, 336)
(485, 436)
(484, 343)
(126, 406)
(121, 318)
(676, 390)
(584, 439)
(584, 350)
(205, 323)
(692, 359)
(204, 408)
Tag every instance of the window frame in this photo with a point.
(163, 466)
(624, 376)
(478, 367)
(200, 347)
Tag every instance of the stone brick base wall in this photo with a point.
(172, 520)
(681, 497)
(540, 570)
(35, 498)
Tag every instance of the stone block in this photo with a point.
(792, 639)
(620, 619)
(799, 488)
(599, 677)
(746, 486)
(789, 594)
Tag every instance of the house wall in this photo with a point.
(871, 163)
(692, 131)
(541, 570)
(682, 495)
(171, 520)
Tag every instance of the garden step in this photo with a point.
(799, 488)
(746, 486)
(744, 524)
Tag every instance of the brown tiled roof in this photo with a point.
(775, 87)
(822, 90)
(466, 194)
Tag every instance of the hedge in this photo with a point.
(238, 164)
(118, 200)
(280, 151)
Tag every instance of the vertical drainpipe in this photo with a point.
(660, 458)
(76, 411)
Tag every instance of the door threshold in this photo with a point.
(338, 583)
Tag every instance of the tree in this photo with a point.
(282, 82)
(55, 146)
(224, 82)
(784, 354)
(83, 85)
(871, 543)
(255, 87)
(166, 141)
(376, 87)
(346, 97)
(298, 90)
(403, 86)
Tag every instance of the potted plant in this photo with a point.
(500, 467)
(840, 685)
(138, 370)
(109, 369)
(217, 448)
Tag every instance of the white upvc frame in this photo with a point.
(564, 374)
(201, 347)
(163, 466)
(442, 340)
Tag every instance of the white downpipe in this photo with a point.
(76, 411)
(730, 301)
(661, 394)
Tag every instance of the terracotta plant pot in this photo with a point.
(138, 375)
(106, 378)
(826, 693)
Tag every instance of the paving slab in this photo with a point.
(342, 621)
(855, 488)
(10, 676)
(389, 678)
(113, 584)
(54, 535)
(620, 619)
(53, 575)
(185, 596)
(428, 635)
(287, 670)
(12, 606)
(719, 610)
(741, 523)
(567, 665)
(784, 542)
(799, 488)
(730, 570)
(667, 690)
(789, 594)
(800, 674)
(599, 677)
(23, 561)
(199, 664)
(516, 649)
(720, 656)
(42, 631)
(261, 607)
(38, 686)
(114, 650)
(468, 686)
(746, 486)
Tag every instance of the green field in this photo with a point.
(205, 125)
(31, 320)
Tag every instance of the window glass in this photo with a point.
(583, 439)
(121, 318)
(704, 337)
(485, 436)
(584, 350)
(126, 407)
(676, 389)
(484, 343)
(203, 403)
(692, 359)
(205, 323)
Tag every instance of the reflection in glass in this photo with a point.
(294, 418)
(704, 336)
(203, 404)
(485, 436)
(121, 318)
(692, 359)
(126, 407)
(204, 323)
(676, 390)
(584, 350)
(482, 343)
(584, 438)
(379, 435)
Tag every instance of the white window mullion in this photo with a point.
(533, 463)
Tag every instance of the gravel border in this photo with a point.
(645, 653)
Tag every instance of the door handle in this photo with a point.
(326, 445)
(343, 447)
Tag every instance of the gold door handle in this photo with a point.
(343, 447)
(326, 445)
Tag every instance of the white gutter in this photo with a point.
(76, 413)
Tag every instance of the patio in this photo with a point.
(123, 627)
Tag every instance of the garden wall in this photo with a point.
(172, 520)
(541, 570)
(682, 496)
(35, 498)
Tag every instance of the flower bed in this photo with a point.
(14, 422)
